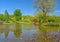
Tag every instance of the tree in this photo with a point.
(40, 16)
(45, 6)
(51, 18)
(17, 14)
(6, 16)
(1, 17)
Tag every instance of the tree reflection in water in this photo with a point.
(17, 30)
(6, 30)
(44, 34)
(47, 34)
(1, 28)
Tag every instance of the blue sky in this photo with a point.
(26, 6)
(57, 8)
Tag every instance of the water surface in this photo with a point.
(31, 33)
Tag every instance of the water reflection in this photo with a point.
(1, 28)
(30, 34)
(41, 36)
(6, 30)
(17, 30)
(47, 34)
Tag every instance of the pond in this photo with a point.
(31, 33)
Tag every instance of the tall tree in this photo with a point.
(6, 16)
(17, 14)
(45, 6)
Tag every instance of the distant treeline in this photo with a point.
(18, 17)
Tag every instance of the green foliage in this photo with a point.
(40, 17)
(1, 16)
(12, 18)
(57, 19)
(51, 18)
(45, 6)
(27, 18)
(6, 16)
(17, 17)
(17, 14)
